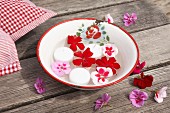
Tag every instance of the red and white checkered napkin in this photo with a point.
(18, 17)
(9, 62)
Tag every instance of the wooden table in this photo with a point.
(152, 33)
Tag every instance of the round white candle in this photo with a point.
(79, 76)
(96, 50)
(64, 54)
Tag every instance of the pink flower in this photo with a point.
(138, 97)
(102, 101)
(139, 67)
(110, 50)
(39, 86)
(160, 94)
(100, 76)
(61, 68)
(108, 18)
(129, 19)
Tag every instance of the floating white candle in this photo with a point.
(79, 76)
(63, 54)
(96, 50)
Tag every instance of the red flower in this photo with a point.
(144, 81)
(84, 59)
(93, 32)
(75, 42)
(103, 62)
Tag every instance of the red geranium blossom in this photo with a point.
(103, 62)
(75, 42)
(144, 81)
(84, 58)
(93, 32)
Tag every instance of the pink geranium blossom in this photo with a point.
(110, 50)
(108, 18)
(39, 85)
(160, 94)
(129, 19)
(61, 68)
(138, 97)
(100, 76)
(139, 67)
(102, 101)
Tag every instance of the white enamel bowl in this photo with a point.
(56, 37)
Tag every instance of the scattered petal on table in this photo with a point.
(39, 85)
(138, 97)
(102, 101)
(160, 94)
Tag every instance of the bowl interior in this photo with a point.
(57, 37)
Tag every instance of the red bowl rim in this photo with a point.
(86, 87)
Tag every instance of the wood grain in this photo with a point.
(72, 6)
(163, 5)
(148, 17)
(17, 89)
(83, 101)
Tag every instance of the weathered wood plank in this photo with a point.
(148, 17)
(17, 89)
(83, 101)
(163, 5)
(70, 6)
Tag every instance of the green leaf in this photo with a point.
(91, 42)
(97, 42)
(82, 25)
(102, 28)
(104, 32)
(107, 38)
(101, 44)
(80, 29)
(78, 34)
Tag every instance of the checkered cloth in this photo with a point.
(9, 62)
(17, 17)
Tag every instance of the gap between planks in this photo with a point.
(74, 6)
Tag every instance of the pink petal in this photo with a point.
(142, 65)
(137, 104)
(134, 16)
(159, 99)
(35, 85)
(41, 90)
(108, 18)
(67, 71)
(106, 97)
(136, 71)
(162, 92)
(65, 64)
(127, 24)
(99, 101)
(126, 16)
(101, 71)
(98, 106)
(143, 95)
(59, 72)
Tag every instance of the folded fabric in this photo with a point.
(9, 62)
(18, 17)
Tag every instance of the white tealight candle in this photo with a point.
(79, 76)
(64, 54)
(96, 50)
